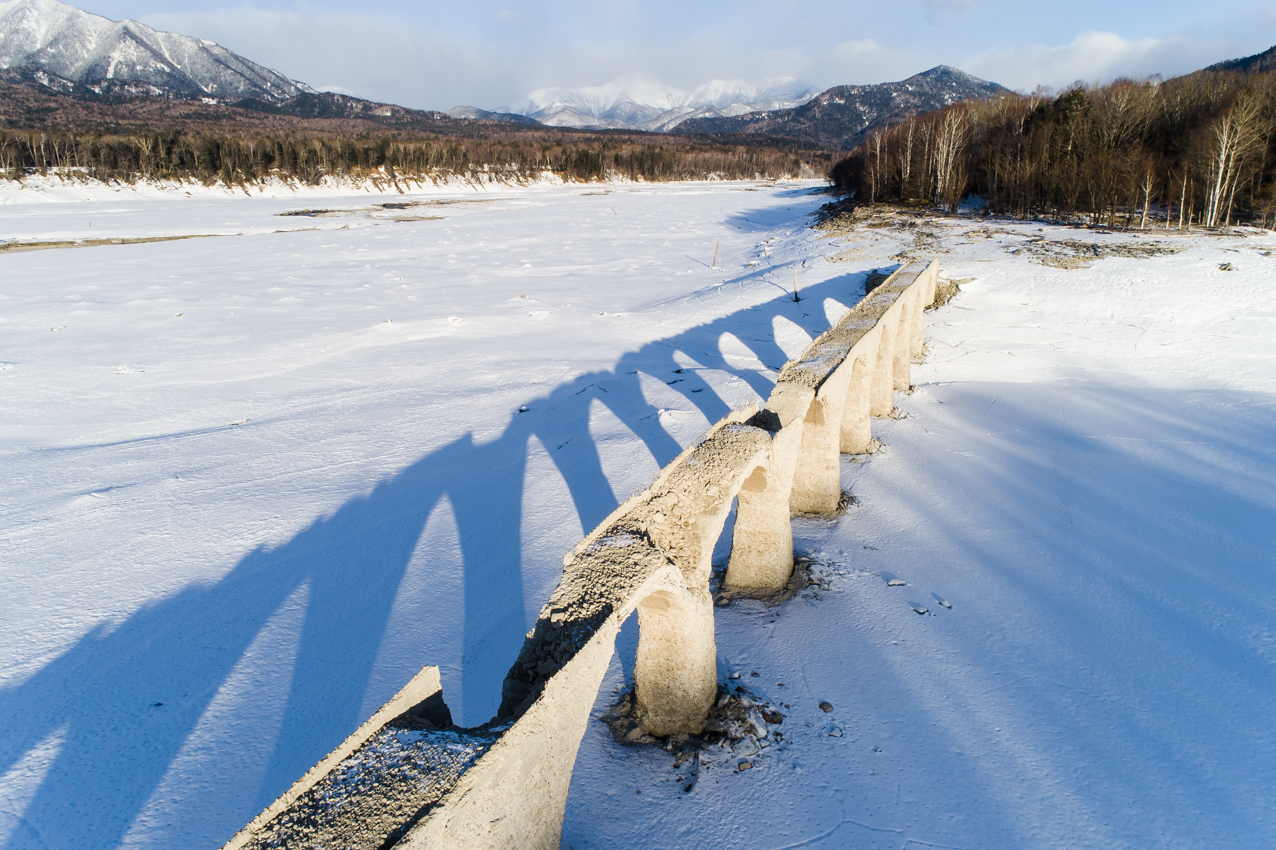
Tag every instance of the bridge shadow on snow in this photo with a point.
(99, 697)
(1110, 551)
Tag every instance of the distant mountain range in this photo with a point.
(68, 50)
(49, 46)
(114, 70)
(842, 117)
(641, 103)
(471, 113)
(837, 119)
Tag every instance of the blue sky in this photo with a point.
(437, 55)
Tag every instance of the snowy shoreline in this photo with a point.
(36, 187)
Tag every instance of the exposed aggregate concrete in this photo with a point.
(372, 797)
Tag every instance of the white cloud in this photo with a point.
(414, 64)
(1091, 57)
(864, 61)
(373, 57)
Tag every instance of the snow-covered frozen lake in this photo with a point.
(255, 481)
(1086, 474)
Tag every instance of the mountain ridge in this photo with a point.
(1256, 64)
(66, 49)
(841, 117)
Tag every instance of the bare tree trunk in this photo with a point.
(950, 141)
(1147, 198)
(1183, 200)
(906, 160)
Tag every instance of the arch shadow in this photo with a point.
(101, 696)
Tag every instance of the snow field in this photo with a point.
(1085, 475)
(258, 481)
(239, 529)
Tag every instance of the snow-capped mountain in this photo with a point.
(641, 103)
(64, 48)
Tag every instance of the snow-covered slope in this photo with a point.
(69, 49)
(641, 103)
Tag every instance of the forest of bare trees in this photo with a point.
(240, 161)
(1199, 149)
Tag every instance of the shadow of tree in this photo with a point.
(101, 696)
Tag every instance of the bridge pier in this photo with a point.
(676, 673)
(881, 399)
(903, 359)
(856, 430)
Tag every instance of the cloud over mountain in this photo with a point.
(642, 103)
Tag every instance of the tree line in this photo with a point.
(241, 161)
(1199, 149)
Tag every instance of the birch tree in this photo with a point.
(1231, 141)
(906, 156)
(951, 137)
